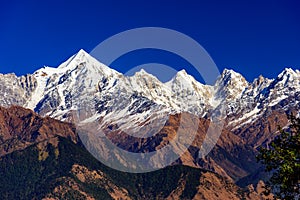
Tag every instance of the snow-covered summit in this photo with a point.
(85, 86)
(230, 85)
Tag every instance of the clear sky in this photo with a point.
(251, 37)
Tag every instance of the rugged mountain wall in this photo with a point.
(84, 91)
(54, 165)
(20, 128)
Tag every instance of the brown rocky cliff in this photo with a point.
(264, 130)
(20, 127)
(231, 157)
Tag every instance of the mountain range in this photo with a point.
(83, 91)
(55, 92)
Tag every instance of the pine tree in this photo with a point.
(282, 159)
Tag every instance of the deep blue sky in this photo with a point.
(251, 37)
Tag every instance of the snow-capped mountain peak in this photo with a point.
(142, 71)
(288, 74)
(84, 61)
(229, 76)
(84, 82)
(287, 71)
(145, 75)
(182, 73)
(183, 79)
(80, 57)
(288, 78)
(230, 85)
(258, 81)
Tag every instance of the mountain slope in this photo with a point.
(84, 91)
(75, 174)
(55, 167)
(20, 128)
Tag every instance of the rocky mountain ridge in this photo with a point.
(83, 83)
(84, 91)
(53, 164)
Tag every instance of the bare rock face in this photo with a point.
(16, 90)
(231, 157)
(20, 127)
(28, 83)
(263, 131)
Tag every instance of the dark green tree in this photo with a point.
(282, 159)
